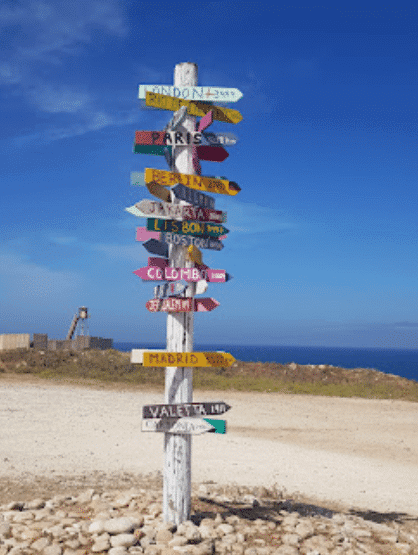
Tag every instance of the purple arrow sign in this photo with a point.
(156, 247)
(142, 234)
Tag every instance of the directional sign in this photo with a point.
(158, 262)
(204, 152)
(208, 94)
(149, 208)
(200, 183)
(201, 287)
(182, 304)
(159, 191)
(196, 229)
(143, 234)
(205, 122)
(169, 273)
(190, 360)
(169, 138)
(218, 425)
(180, 410)
(194, 254)
(194, 108)
(169, 289)
(188, 426)
(156, 247)
(137, 355)
(225, 139)
(194, 197)
(187, 240)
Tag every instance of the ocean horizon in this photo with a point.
(401, 362)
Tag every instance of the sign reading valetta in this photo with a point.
(196, 359)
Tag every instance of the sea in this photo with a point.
(401, 362)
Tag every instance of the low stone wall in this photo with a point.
(10, 341)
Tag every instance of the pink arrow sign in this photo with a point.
(205, 122)
(142, 234)
(168, 273)
(157, 261)
(182, 304)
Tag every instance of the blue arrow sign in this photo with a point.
(156, 247)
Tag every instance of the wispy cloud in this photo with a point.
(45, 33)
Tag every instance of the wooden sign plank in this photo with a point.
(182, 304)
(192, 360)
(197, 182)
(159, 191)
(143, 234)
(222, 139)
(149, 208)
(192, 426)
(169, 273)
(169, 289)
(194, 108)
(156, 247)
(194, 254)
(196, 229)
(208, 94)
(180, 410)
(205, 122)
(158, 262)
(196, 198)
(137, 355)
(167, 138)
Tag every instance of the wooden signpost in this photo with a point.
(197, 229)
(181, 143)
(208, 94)
(197, 182)
(194, 108)
(182, 304)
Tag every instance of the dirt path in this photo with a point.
(349, 452)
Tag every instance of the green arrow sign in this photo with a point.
(219, 425)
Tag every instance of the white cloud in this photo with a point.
(54, 99)
(26, 282)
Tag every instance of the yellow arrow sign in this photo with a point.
(194, 254)
(209, 184)
(194, 108)
(163, 358)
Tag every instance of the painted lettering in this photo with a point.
(195, 274)
(167, 138)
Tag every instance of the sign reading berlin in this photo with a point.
(198, 182)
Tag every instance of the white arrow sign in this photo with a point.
(204, 94)
(187, 425)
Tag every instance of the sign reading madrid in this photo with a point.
(196, 359)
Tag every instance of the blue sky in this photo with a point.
(323, 235)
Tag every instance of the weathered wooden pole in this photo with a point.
(178, 381)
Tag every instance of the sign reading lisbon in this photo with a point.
(187, 227)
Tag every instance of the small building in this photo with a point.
(14, 341)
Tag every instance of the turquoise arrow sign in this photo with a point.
(218, 425)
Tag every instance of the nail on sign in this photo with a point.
(197, 182)
(211, 94)
(194, 108)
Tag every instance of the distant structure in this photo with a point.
(42, 343)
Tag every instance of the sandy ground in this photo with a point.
(354, 453)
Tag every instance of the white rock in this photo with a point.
(54, 549)
(123, 540)
(40, 544)
(224, 529)
(97, 527)
(118, 551)
(118, 525)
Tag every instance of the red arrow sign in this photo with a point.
(182, 304)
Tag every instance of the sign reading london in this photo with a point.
(208, 94)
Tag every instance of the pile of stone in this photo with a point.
(131, 523)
